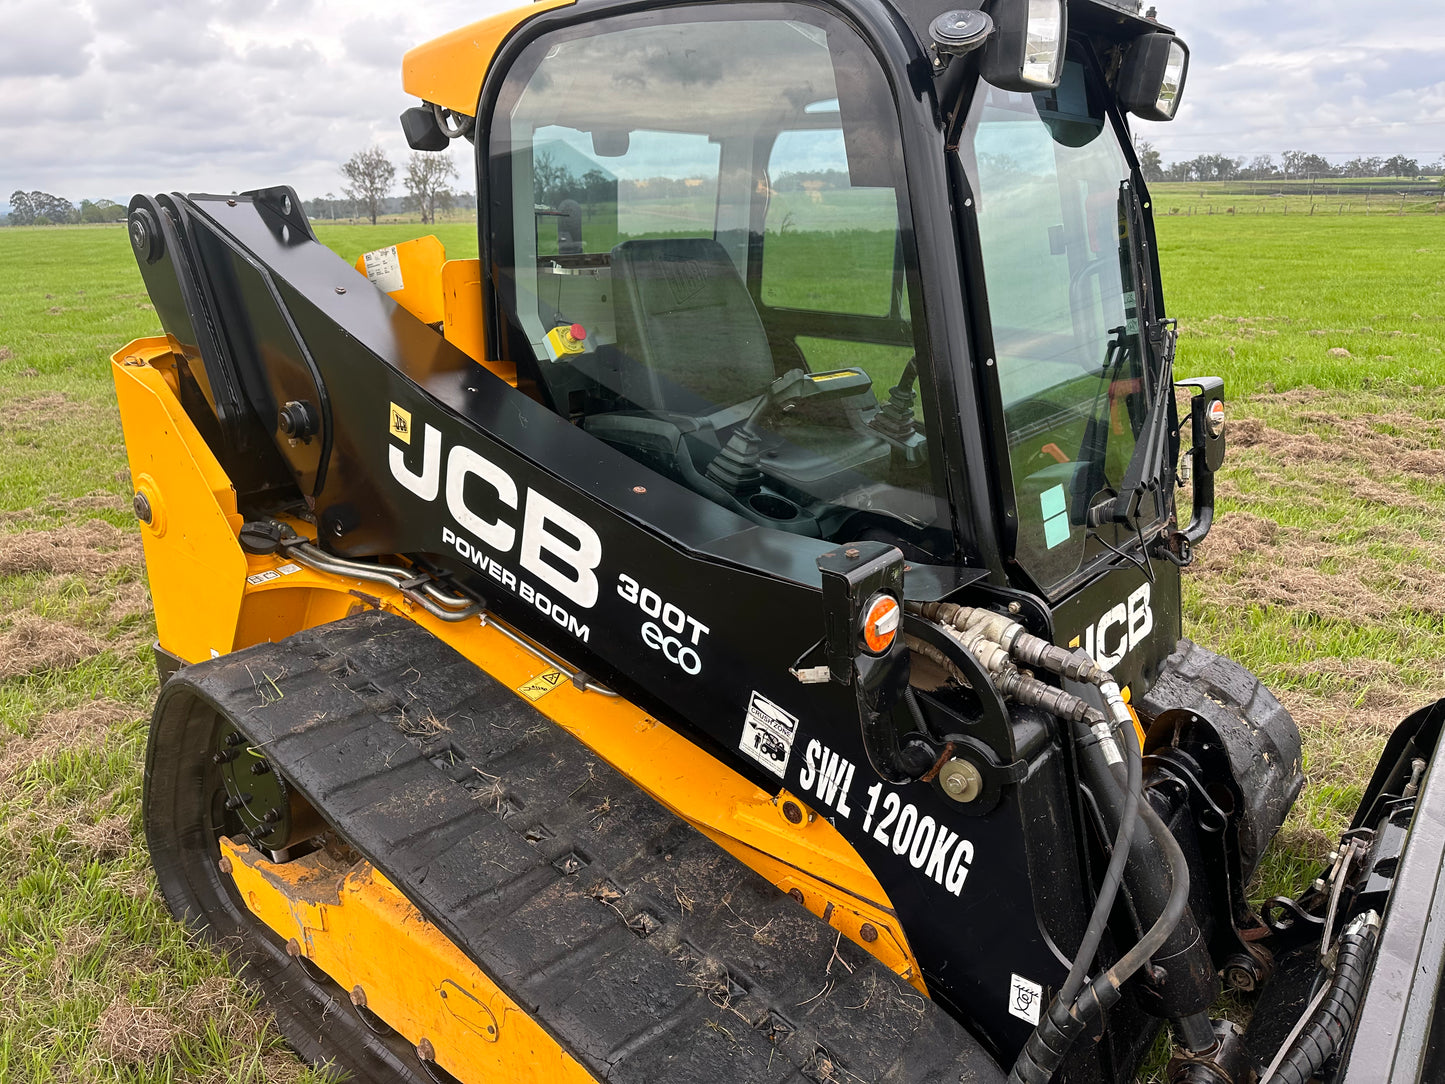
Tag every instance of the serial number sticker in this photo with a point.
(768, 733)
(1025, 999)
(286, 570)
(263, 577)
(542, 684)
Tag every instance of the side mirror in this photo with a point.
(423, 132)
(611, 143)
(1151, 81)
(1025, 53)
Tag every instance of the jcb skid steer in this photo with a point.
(731, 631)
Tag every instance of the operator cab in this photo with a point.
(708, 237)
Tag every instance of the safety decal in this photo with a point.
(384, 269)
(1025, 999)
(768, 733)
(542, 684)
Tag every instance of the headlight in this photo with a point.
(1151, 82)
(1026, 51)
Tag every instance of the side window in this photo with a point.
(828, 246)
(683, 205)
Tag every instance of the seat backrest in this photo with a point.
(684, 315)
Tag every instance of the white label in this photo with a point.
(768, 733)
(263, 577)
(1025, 999)
(286, 570)
(384, 269)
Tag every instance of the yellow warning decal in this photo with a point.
(542, 684)
(818, 378)
(401, 424)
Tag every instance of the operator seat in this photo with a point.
(686, 319)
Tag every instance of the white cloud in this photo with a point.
(104, 98)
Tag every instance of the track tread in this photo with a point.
(647, 951)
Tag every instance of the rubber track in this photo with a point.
(646, 951)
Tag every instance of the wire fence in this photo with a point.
(1371, 197)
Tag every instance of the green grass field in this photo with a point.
(1324, 573)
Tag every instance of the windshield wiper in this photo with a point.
(1140, 499)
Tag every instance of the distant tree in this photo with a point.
(1301, 165)
(426, 179)
(1262, 168)
(369, 176)
(1149, 162)
(1400, 166)
(40, 209)
(101, 210)
(1364, 167)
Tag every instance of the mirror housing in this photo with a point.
(1025, 53)
(1151, 80)
(423, 133)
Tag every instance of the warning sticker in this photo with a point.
(1025, 999)
(542, 684)
(263, 577)
(768, 733)
(384, 269)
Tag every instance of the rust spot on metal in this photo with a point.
(868, 933)
(225, 865)
(796, 893)
(943, 758)
(293, 948)
(425, 1050)
(793, 813)
(358, 997)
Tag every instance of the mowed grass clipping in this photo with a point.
(1324, 574)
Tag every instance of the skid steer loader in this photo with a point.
(731, 630)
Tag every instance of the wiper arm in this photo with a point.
(1144, 477)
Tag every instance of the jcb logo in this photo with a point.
(1119, 631)
(560, 549)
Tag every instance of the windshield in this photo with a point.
(1054, 198)
(699, 238)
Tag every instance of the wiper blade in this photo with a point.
(1144, 478)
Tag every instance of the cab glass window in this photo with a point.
(697, 229)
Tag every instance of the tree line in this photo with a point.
(1292, 165)
(370, 179)
(43, 209)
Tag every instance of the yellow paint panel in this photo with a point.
(417, 266)
(353, 924)
(191, 551)
(449, 70)
(462, 315)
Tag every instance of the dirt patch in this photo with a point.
(32, 643)
(71, 728)
(95, 501)
(94, 548)
(32, 413)
(134, 1035)
(129, 1034)
(6, 354)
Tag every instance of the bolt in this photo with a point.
(796, 893)
(225, 864)
(293, 949)
(338, 529)
(272, 815)
(961, 780)
(142, 507)
(237, 801)
(341, 289)
(234, 738)
(851, 554)
(1014, 607)
(868, 933)
(222, 757)
(230, 203)
(425, 1050)
(793, 814)
(639, 489)
(260, 768)
(358, 997)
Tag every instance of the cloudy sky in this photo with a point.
(103, 98)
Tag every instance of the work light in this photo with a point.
(1026, 51)
(1151, 81)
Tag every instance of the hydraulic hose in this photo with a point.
(1329, 1023)
(1113, 877)
(1065, 1022)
